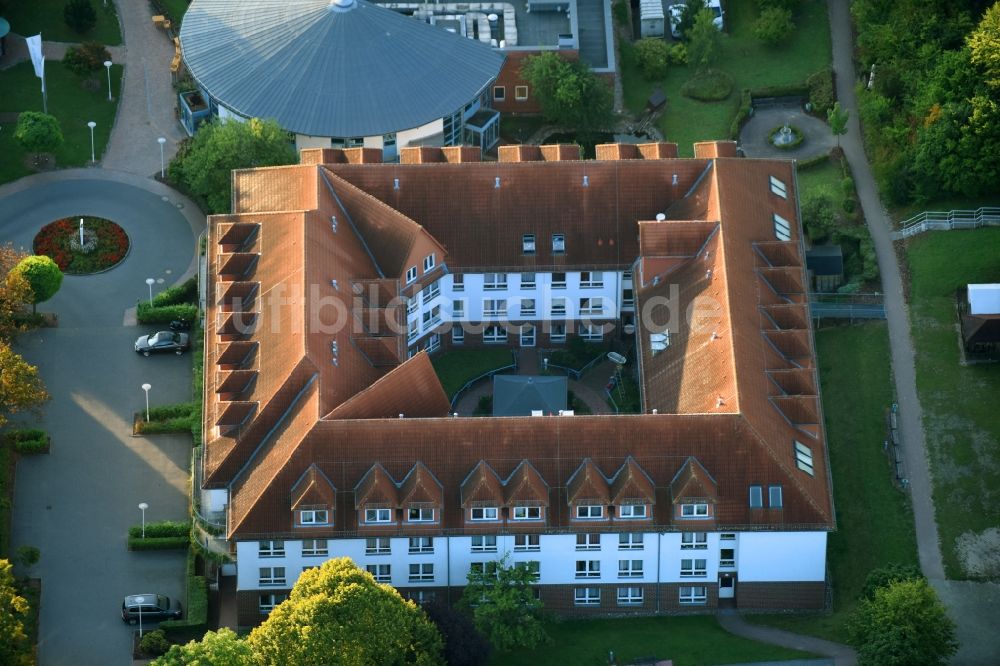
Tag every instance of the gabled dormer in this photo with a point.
(588, 492)
(376, 498)
(633, 493)
(421, 496)
(693, 492)
(482, 495)
(526, 495)
(313, 498)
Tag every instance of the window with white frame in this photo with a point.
(589, 511)
(592, 332)
(694, 510)
(381, 572)
(431, 291)
(558, 243)
(484, 543)
(495, 307)
(270, 549)
(419, 515)
(314, 517)
(489, 568)
(314, 547)
(694, 540)
(433, 343)
(268, 602)
(528, 307)
(774, 499)
(527, 542)
(526, 513)
(628, 298)
(692, 594)
(432, 317)
(630, 541)
(804, 458)
(499, 93)
(591, 279)
(494, 334)
(413, 329)
(727, 536)
(528, 281)
(693, 567)
(458, 282)
(588, 541)
(756, 497)
(520, 93)
(778, 187)
(421, 573)
(458, 308)
(494, 280)
(484, 513)
(428, 262)
(271, 576)
(558, 308)
(629, 568)
(557, 333)
(411, 274)
(590, 306)
(378, 515)
(528, 243)
(588, 568)
(782, 228)
(727, 558)
(558, 280)
(421, 545)
(632, 511)
(377, 546)
(457, 334)
(630, 596)
(412, 305)
(587, 596)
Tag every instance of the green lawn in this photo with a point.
(961, 418)
(823, 176)
(689, 641)
(455, 368)
(69, 102)
(955, 203)
(750, 64)
(874, 520)
(29, 17)
(175, 10)
(519, 129)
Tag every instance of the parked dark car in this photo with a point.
(162, 341)
(154, 607)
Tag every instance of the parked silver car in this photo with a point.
(152, 607)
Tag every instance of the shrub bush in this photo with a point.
(742, 113)
(786, 90)
(709, 85)
(164, 412)
(162, 528)
(166, 426)
(159, 543)
(80, 15)
(186, 292)
(28, 440)
(821, 92)
(817, 214)
(147, 314)
(653, 55)
(679, 54)
(774, 26)
(86, 58)
(619, 10)
(154, 643)
(195, 621)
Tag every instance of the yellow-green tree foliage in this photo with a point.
(20, 386)
(14, 647)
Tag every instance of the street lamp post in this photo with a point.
(107, 65)
(92, 125)
(149, 283)
(146, 387)
(142, 507)
(161, 141)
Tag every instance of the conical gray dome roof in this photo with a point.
(343, 69)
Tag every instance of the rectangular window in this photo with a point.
(590, 306)
(411, 274)
(377, 546)
(430, 292)
(526, 542)
(269, 601)
(421, 545)
(589, 511)
(528, 280)
(591, 279)
(484, 543)
(727, 558)
(694, 510)
(270, 548)
(694, 540)
(774, 497)
(413, 329)
(272, 576)
(457, 334)
(484, 513)
(433, 343)
(558, 243)
(495, 334)
(520, 93)
(588, 568)
(630, 596)
(494, 281)
(314, 547)
(778, 187)
(628, 298)
(695, 594)
(630, 568)
(691, 567)
(458, 282)
(533, 567)
(489, 568)
(527, 513)
(782, 228)
(558, 307)
(378, 515)
(528, 243)
(415, 515)
(592, 332)
(626, 276)
(804, 458)
(428, 262)
(756, 497)
(558, 280)
(420, 573)
(587, 596)
(528, 307)
(412, 305)
(630, 541)
(588, 541)
(495, 307)
(381, 572)
(632, 511)
(558, 333)
(432, 317)
(728, 536)
(458, 308)
(314, 517)
(499, 93)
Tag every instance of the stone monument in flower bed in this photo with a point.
(94, 246)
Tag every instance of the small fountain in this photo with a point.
(786, 137)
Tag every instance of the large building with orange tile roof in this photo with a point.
(328, 433)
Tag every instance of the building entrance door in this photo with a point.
(727, 586)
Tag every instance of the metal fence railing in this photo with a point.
(577, 374)
(485, 375)
(847, 306)
(948, 220)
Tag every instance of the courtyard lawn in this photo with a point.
(751, 65)
(455, 368)
(688, 641)
(70, 102)
(959, 403)
(856, 387)
(30, 17)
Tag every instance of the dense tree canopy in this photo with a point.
(569, 93)
(464, 645)
(205, 164)
(504, 607)
(216, 647)
(20, 386)
(14, 291)
(704, 40)
(43, 276)
(38, 132)
(14, 647)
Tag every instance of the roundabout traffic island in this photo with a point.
(83, 245)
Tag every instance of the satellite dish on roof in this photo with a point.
(616, 358)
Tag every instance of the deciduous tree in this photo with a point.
(654, 57)
(569, 93)
(14, 647)
(216, 647)
(837, 118)
(773, 26)
(984, 44)
(705, 40)
(504, 606)
(43, 276)
(14, 290)
(20, 386)
(38, 132)
(464, 645)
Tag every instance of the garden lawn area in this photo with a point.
(856, 385)
(520, 128)
(688, 641)
(455, 368)
(826, 175)
(69, 102)
(959, 403)
(751, 65)
(175, 9)
(30, 17)
(957, 203)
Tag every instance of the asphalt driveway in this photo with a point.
(77, 503)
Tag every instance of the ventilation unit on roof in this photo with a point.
(333, 223)
(335, 285)
(659, 341)
(537, 412)
(496, 182)
(586, 181)
(674, 182)
(395, 183)
(660, 217)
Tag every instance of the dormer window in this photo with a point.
(774, 497)
(632, 511)
(558, 243)
(483, 513)
(694, 510)
(528, 243)
(589, 512)
(756, 497)
(415, 515)
(411, 274)
(526, 513)
(429, 262)
(374, 516)
(310, 517)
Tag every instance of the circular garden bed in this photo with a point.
(105, 244)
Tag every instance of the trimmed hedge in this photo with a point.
(166, 427)
(167, 419)
(162, 528)
(164, 412)
(822, 94)
(742, 113)
(195, 622)
(788, 90)
(29, 440)
(186, 292)
(147, 314)
(159, 543)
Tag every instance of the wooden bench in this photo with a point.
(161, 21)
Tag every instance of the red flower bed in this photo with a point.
(54, 240)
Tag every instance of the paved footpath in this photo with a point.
(732, 622)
